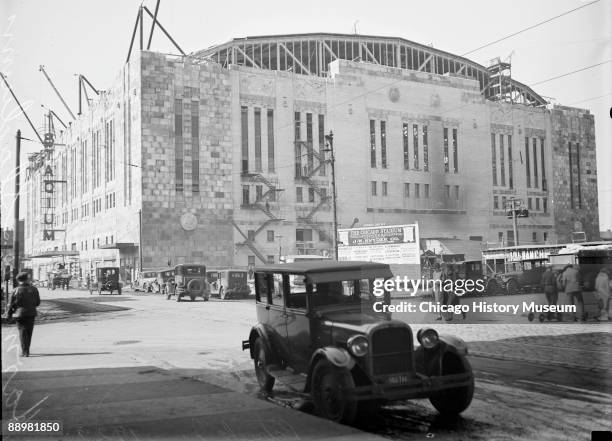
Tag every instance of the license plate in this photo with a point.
(398, 379)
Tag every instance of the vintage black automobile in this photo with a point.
(324, 338)
(190, 281)
(107, 280)
(59, 279)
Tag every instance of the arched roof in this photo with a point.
(310, 54)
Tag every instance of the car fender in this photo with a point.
(259, 331)
(428, 361)
(337, 356)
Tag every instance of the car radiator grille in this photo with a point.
(391, 351)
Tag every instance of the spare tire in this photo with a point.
(194, 285)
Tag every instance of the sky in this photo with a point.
(92, 38)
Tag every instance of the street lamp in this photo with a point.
(330, 143)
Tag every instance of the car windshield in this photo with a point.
(194, 270)
(337, 293)
(148, 275)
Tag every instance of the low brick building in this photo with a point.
(220, 157)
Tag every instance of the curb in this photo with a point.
(534, 361)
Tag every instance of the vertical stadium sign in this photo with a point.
(392, 244)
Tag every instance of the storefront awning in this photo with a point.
(54, 253)
(118, 246)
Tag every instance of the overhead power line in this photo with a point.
(530, 27)
(570, 73)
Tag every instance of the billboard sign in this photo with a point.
(391, 244)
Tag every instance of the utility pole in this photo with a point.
(515, 212)
(16, 209)
(330, 141)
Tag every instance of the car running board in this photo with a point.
(295, 382)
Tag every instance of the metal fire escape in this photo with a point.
(262, 203)
(305, 173)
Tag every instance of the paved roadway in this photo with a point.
(139, 366)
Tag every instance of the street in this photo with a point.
(138, 363)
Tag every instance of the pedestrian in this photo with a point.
(88, 282)
(22, 307)
(437, 287)
(602, 288)
(549, 286)
(571, 282)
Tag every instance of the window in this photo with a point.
(545, 236)
(406, 190)
(405, 132)
(535, 162)
(542, 164)
(270, 140)
(311, 194)
(195, 146)
(500, 237)
(496, 202)
(257, 121)
(504, 202)
(251, 234)
(445, 152)
(303, 235)
(383, 144)
(178, 145)
(384, 188)
(258, 193)
(545, 205)
(270, 234)
(447, 191)
(373, 185)
(510, 172)
(493, 159)
(417, 190)
(537, 202)
(246, 200)
(298, 194)
(415, 138)
(309, 141)
(322, 143)
(425, 150)
(426, 191)
(456, 192)
(297, 137)
(534, 237)
(527, 164)
(270, 259)
(244, 132)
(322, 236)
(529, 203)
(455, 152)
(502, 165)
(372, 143)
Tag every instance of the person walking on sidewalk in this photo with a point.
(22, 306)
(437, 279)
(570, 280)
(549, 285)
(602, 287)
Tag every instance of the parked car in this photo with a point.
(326, 339)
(146, 281)
(57, 279)
(107, 280)
(164, 279)
(190, 280)
(232, 283)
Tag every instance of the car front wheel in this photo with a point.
(333, 392)
(455, 400)
(265, 380)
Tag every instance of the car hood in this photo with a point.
(355, 320)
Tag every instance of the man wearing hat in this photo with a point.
(22, 306)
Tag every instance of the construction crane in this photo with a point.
(83, 83)
(42, 69)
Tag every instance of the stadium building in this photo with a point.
(221, 157)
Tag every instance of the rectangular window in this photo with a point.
(500, 237)
(302, 235)
(383, 144)
(535, 163)
(384, 188)
(496, 202)
(309, 141)
(527, 165)
(493, 159)
(504, 202)
(456, 192)
(246, 198)
(406, 189)
(271, 141)
(545, 234)
(502, 165)
(542, 164)
(298, 194)
(258, 193)
(251, 234)
(372, 143)
(373, 186)
(415, 140)
(270, 259)
(529, 204)
(537, 202)
(270, 234)
(571, 174)
(311, 194)
(322, 143)
(578, 175)
(534, 237)
(510, 172)
(426, 191)
(178, 145)
(417, 191)
(405, 132)
(455, 152)
(545, 205)
(195, 146)
(425, 150)
(244, 133)
(297, 138)
(257, 121)
(447, 191)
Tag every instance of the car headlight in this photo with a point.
(428, 338)
(358, 345)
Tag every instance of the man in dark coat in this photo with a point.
(22, 306)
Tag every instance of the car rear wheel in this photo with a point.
(333, 392)
(455, 400)
(265, 380)
(512, 287)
